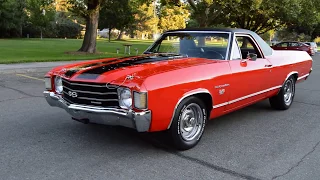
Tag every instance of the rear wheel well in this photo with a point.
(207, 99)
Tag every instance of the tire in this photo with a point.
(188, 123)
(284, 99)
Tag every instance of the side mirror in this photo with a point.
(252, 56)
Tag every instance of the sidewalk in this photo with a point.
(32, 67)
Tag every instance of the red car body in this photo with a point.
(294, 46)
(222, 85)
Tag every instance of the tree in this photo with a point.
(207, 12)
(11, 17)
(40, 13)
(146, 19)
(259, 16)
(204, 13)
(89, 10)
(116, 14)
(173, 17)
(307, 19)
(256, 15)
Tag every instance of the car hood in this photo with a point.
(128, 71)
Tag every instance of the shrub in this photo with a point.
(68, 29)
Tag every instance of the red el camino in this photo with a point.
(182, 80)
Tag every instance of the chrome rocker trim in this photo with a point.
(107, 116)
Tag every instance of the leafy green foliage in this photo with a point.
(207, 12)
(67, 29)
(84, 8)
(287, 35)
(116, 14)
(40, 12)
(306, 19)
(11, 17)
(146, 20)
(173, 17)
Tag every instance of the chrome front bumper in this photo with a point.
(108, 116)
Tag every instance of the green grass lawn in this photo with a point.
(37, 50)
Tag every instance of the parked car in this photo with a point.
(104, 33)
(298, 46)
(313, 45)
(184, 79)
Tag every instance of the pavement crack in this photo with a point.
(19, 91)
(298, 163)
(221, 169)
(216, 167)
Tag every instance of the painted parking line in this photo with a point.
(30, 77)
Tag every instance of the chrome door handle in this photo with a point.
(268, 65)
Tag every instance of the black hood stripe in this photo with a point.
(94, 73)
(70, 72)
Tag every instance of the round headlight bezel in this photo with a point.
(58, 84)
(125, 98)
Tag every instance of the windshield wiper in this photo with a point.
(171, 54)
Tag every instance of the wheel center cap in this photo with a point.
(192, 122)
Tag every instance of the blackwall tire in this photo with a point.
(284, 99)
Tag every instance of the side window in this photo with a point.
(282, 45)
(236, 53)
(294, 44)
(247, 46)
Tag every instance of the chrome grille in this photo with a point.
(94, 94)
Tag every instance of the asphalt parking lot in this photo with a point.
(42, 142)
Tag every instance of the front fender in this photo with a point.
(164, 102)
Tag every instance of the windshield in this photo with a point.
(202, 45)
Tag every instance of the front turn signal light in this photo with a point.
(47, 83)
(140, 100)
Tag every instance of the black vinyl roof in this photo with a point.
(234, 30)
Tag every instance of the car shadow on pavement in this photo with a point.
(160, 140)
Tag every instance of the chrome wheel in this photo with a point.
(191, 122)
(288, 92)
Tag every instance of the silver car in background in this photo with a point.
(313, 45)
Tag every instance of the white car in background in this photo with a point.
(104, 33)
(313, 45)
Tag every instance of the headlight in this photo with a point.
(125, 98)
(58, 84)
(47, 83)
(140, 100)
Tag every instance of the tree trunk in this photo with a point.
(20, 32)
(109, 32)
(120, 35)
(90, 37)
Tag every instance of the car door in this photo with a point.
(294, 46)
(249, 81)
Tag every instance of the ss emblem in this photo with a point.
(222, 91)
(73, 94)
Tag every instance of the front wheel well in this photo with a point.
(207, 99)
